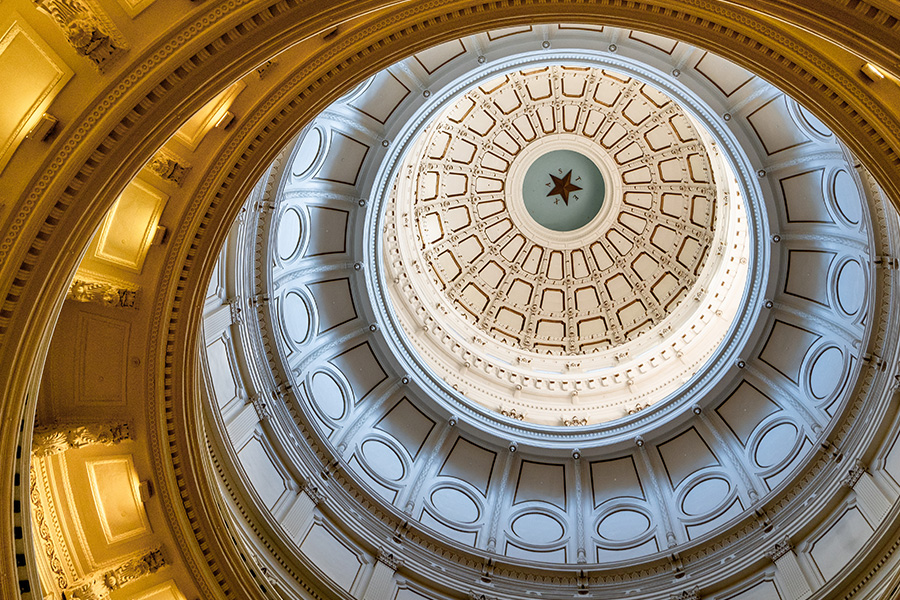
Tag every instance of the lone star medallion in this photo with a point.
(563, 186)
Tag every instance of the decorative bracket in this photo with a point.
(87, 29)
(86, 289)
(169, 167)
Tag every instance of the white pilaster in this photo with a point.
(381, 585)
(869, 497)
(793, 582)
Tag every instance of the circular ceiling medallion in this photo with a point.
(563, 190)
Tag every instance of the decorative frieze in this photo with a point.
(169, 167)
(48, 440)
(87, 29)
(85, 289)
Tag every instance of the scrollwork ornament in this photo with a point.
(169, 167)
(43, 531)
(99, 292)
(134, 569)
(47, 441)
(94, 589)
(86, 29)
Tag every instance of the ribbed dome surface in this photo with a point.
(711, 317)
(612, 313)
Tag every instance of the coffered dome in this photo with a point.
(544, 302)
(454, 360)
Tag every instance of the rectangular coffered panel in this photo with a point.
(28, 92)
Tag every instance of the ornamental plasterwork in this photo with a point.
(87, 289)
(100, 586)
(500, 305)
(564, 296)
(46, 527)
(169, 167)
(53, 440)
(87, 29)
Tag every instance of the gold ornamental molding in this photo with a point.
(89, 166)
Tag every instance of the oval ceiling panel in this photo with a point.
(455, 505)
(537, 528)
(382, 459)
(826, 373)
(289, 229)
(296, 317)
(846, 197)
(623, 525)
(851, 289)
(813, 122)
(705, 496)
(775, 445)
(309, 151)
(327, 393)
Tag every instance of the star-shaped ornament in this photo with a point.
(563, 186)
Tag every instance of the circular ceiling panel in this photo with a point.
(563, 190)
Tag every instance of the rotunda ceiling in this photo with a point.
(699, 330)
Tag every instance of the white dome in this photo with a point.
(564, 327)
(683, 422)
